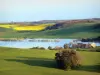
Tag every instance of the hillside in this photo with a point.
(87, 28)
(67, 23)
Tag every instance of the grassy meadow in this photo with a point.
(41, 62)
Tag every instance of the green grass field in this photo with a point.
(41, 62)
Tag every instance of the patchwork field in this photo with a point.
(41, 62)
(75, 31)
(18, 27)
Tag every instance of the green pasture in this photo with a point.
(41, 62)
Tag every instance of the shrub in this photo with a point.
(78, 49)
(66, 46)
(67, 59)
(42, 48)
(97, 49)
(50, 48)
(35, 48)
(58, 48)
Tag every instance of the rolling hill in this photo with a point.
(87, 28)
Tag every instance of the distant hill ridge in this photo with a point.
(55, 21)
(68, 23)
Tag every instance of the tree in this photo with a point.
(42, 48)
(66, 46)
(67, 59)
(50, 48)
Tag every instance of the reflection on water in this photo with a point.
(29, 43)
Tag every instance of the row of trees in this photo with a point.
(66, 46)
(42, 48)
(50, 48)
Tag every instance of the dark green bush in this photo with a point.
(98, 50)
(42, 48)
(78, 49)
(67, 59)
(50, 48)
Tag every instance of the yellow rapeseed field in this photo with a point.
(7, 26)
(26, 27)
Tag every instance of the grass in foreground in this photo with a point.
(41, 62)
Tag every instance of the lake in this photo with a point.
(29, 43)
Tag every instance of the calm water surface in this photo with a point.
(29, 43)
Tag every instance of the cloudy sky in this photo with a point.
(34, 10)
